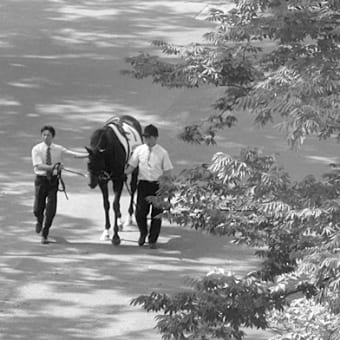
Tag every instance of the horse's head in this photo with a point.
(96, 166)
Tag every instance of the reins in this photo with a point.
(104, 176)
(75, 172)
(61, 185)
(127, 187)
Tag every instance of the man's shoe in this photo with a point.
(153, 245)
(44, 240)
(141, 240)
(38, 227)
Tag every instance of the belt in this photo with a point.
(45, 177)
(145, 181)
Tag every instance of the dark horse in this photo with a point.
(109, 150)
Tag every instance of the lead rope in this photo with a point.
(129, 192)
(61, 184)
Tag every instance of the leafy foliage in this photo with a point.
(295, 224)
(216, 308)
(277, 59)
(312, 321)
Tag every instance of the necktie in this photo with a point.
(149, 156)
(48, 156)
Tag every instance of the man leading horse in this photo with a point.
(47, 158)
(153, 161)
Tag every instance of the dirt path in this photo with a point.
(80, 287)
(60, 64)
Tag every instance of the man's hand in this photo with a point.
(57, 167)
(129, 170)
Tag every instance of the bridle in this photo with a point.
(104, 176)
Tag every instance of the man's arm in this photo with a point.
(75, 154)
(38, 162)
(44, 167)
(167, 166)
(167, 173)
(133, 162)
(129, 170)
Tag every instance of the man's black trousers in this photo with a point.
(144, 189)
(45, 201)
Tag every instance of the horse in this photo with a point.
(108, 154)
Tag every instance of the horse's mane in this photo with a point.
(105, 140)
(98, 139)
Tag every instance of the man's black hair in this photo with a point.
(49, 128)
(150, 130)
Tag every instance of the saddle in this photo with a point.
(127, 135)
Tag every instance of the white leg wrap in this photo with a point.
(129, 221)
(120, 224)
(105, 235)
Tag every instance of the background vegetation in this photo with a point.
(278, 60)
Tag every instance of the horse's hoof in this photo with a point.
(116, 241)
(105, 235)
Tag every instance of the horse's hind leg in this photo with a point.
(133, 188)
(105, 192)
(117, 189)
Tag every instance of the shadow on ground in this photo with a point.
(78, 287)
(60, 64)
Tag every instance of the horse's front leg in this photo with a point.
(133, 188)
(117, 189)
(106, 204)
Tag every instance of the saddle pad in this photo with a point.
(129, 140)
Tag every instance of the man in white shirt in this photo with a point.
(153, 162)
(45, 156)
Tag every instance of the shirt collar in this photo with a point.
(151, 147)
(46, 146)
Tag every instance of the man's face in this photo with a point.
(47, 137)
(150, 140)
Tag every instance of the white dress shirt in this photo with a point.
(152, 162)
(39, 155)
